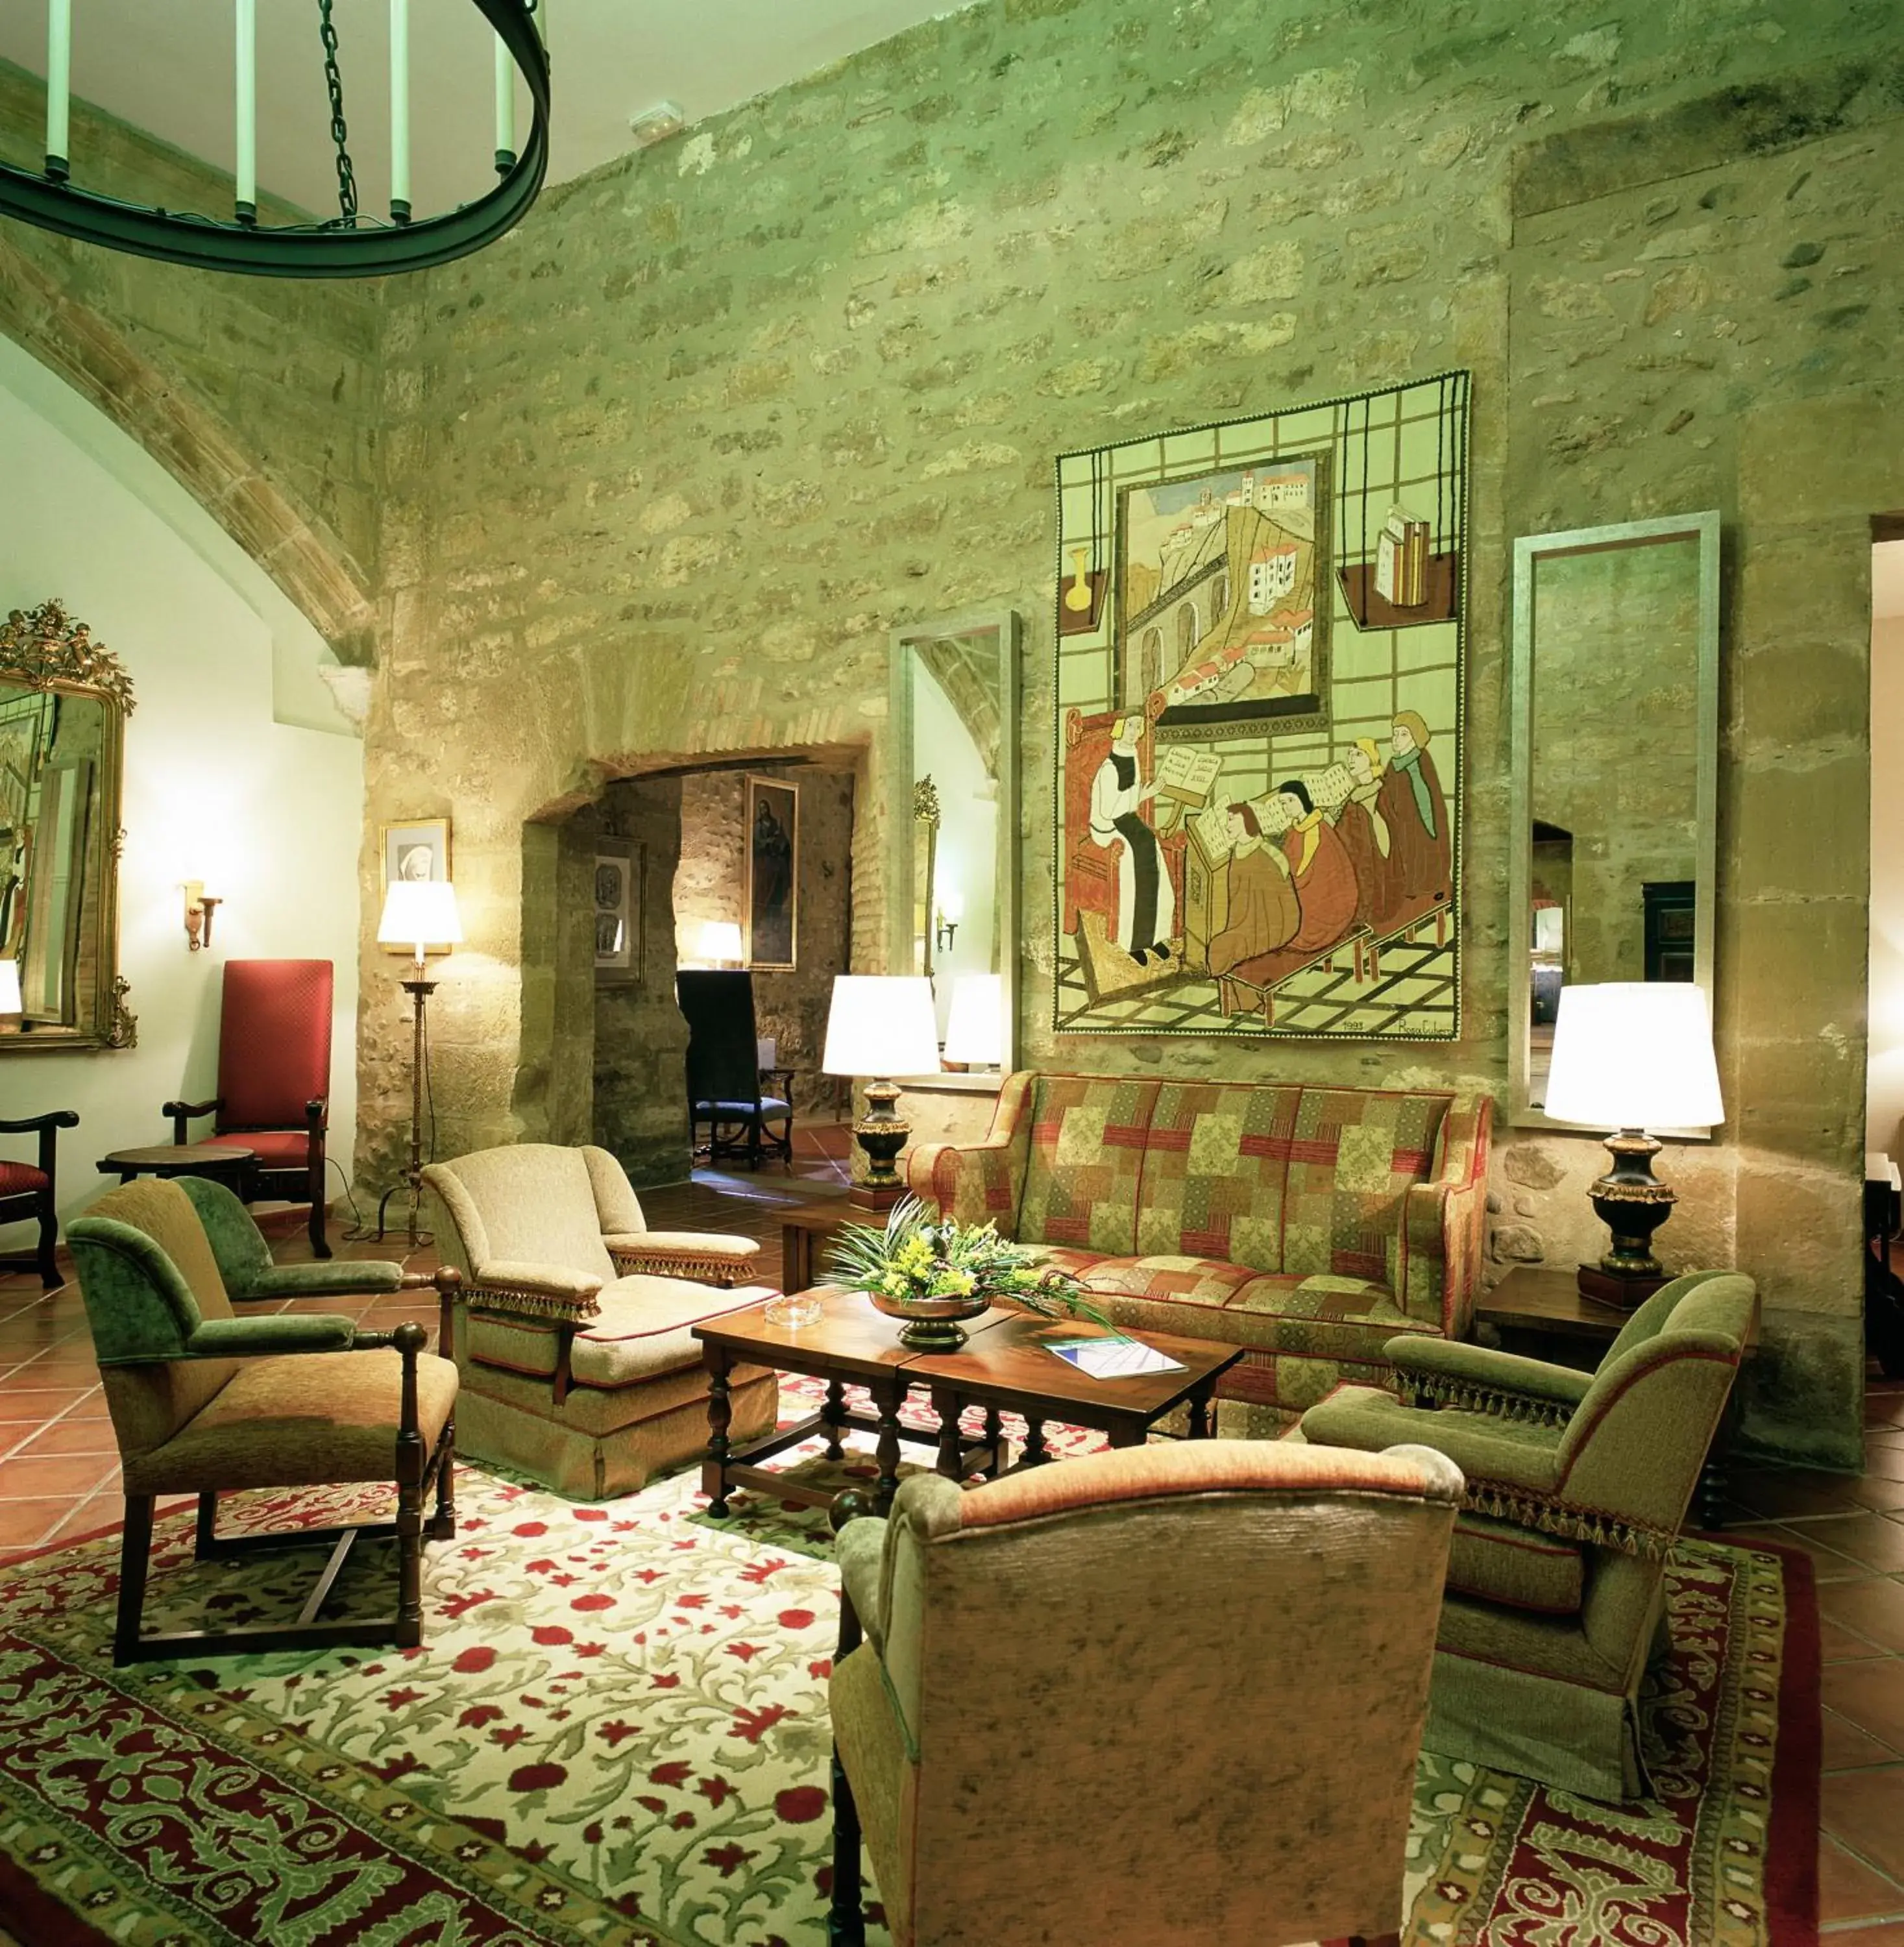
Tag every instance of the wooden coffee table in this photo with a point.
(1003, 1366)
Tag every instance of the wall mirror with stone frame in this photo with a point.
(954, 696)
(63, 701)
(1613, 716)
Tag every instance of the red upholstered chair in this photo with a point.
(27, 1195)
(274, 1094)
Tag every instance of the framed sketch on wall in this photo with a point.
(419, 848)
(618, 894)
(773, 874)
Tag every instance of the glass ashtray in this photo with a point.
(794, 1309)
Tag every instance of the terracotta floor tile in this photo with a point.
(41, 1404)
(1838, 1644)
(1844, 1746)
(1850, 1889)
(1883, 1463)
(1890, 1936)
(1874, 1608)
(1873, 1539)
(1870, 1695)
(1873, 1491)
(96, 1436)
(1864, 1809)
(30, 1478)
(93, 1406)
(26, 1524)
(1829, 1564)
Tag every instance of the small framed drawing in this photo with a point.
(773, 874)
(618, 894)
(417, 849)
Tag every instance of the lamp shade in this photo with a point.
(1634, 1055)
(720, 940)
(419, 913)
(10, 1001)
(881, 1024)
(975, 1026)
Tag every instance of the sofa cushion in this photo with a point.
(1516, 1566)
(1353, 1155)
(1199, 1281)
(1216, 1164)
(1087, 1152)
(643, 1329)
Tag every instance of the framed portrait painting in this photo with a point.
(773, 874)
(617, 881)
(415, 849)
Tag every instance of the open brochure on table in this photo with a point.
(1116, 1357)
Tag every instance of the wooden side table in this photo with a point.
(1540, 1313)
(225, 1163)
(806, 1230)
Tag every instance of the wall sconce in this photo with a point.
(199, 906)
(951, 910)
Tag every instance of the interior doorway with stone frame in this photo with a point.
(662, 856)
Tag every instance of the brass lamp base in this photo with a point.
(1632, 1203)
(882, 1132)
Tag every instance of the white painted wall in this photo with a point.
(267, 812)
(1884, 1093)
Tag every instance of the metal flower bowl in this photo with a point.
(932, 1324)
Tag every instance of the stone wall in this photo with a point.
(660, 470)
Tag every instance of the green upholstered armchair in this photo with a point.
(1071, 1717)
(203, 1401)
(1556, 1578)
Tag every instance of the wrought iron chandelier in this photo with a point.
(352, 243)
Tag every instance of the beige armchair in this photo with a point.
(1166, 1696)
(580, 1367)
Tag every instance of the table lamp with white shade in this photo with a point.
(975, 1022)
(420, 914)
(1631, 1055)
(718, 943)
(882, 1025)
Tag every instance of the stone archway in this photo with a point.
(554, 1098)
(194, 446)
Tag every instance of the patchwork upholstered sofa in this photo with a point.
(1309, 1225)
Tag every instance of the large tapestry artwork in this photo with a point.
(1260, 652)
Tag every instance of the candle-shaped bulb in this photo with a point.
(58, 85)
(246, 169)
(505, 109)
(400, 111)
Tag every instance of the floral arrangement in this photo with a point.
(917, 1258)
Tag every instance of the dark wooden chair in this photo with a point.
(724, 1071)
(274, 1096)
(29, 1192)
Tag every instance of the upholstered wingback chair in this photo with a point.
(203, 1402)
(1556, 1583)
(1166, 1696)
(274, 1096)
(580, 1365)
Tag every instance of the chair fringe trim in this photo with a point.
(1593, 1525)
(1469, 1396)
(680, 1263)
(504, 1298)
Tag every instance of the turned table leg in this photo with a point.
(834, 1414)
(994, 1439)
(720, 1417)
(888, 1398)
(952, 1453)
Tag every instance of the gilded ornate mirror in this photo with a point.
(1614, 705)
(63, 701)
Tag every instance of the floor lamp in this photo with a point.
(419, 913)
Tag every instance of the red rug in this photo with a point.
(616, 1733)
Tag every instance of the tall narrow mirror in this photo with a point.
(1615, 712)
(953, 909)
(62, 703)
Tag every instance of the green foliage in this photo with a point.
(917, 1256)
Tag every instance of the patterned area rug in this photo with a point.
(617, 1733)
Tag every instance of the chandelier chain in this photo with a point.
(339, 133)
